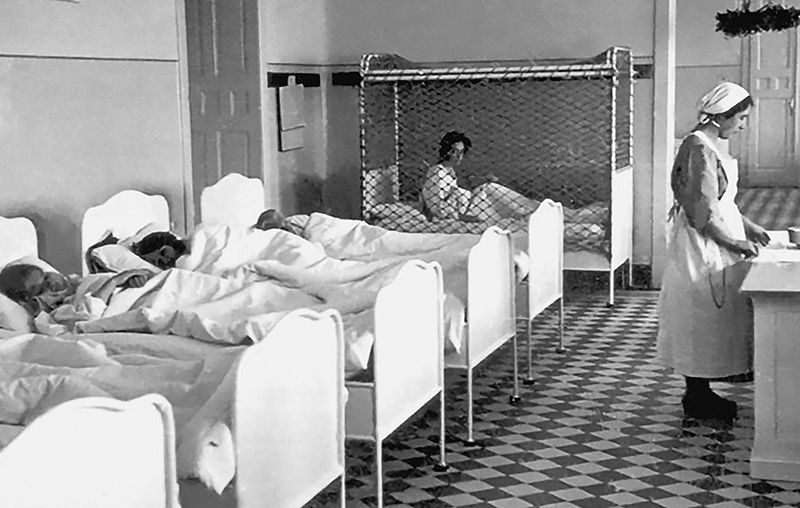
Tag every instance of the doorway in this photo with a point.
(770, 68)
(224, 90)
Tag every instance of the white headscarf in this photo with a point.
(720, 99)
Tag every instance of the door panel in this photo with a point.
(771, 59)
(224, 90)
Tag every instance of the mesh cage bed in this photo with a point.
(562, 132)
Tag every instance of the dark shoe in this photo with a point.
(708, 405)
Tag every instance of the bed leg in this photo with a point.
(470, 437)
(442, 465)
(343, 493)
(630, 273)
(610, 288)
(379, 472)
(514, 397)
(561, 348)
(529, 344)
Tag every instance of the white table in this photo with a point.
(773, 283)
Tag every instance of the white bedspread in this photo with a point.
(38, 372)
(238, 282)
(349, 284)
(356, 240)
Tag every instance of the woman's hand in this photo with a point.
(745, 248)
(758, 234)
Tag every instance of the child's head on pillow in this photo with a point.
(25, 283)
(21, 282)
(161, 249)
(270, 219)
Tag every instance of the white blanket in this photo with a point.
(356, 240)
(38, 372)
(347, 285)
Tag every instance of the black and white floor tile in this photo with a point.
(600, 426)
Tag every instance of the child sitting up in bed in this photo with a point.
(39, 291)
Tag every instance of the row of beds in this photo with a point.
(290, 419)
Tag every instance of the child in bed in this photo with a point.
(273, 219)
(442, 197)
(161, 249)
(39, 291)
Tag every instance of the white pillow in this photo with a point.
(143, 231)
(118, 258)
(13, 316)
(35, 261)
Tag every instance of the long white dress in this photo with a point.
(705, 322)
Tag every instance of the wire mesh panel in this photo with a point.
(457, 149)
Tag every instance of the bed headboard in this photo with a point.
(17, 239)
(123, 214)
(235, 199)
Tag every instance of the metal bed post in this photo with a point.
(514, 398)
(396, 126)
(470, 416)
(442, 465)
(342, 408)
(375, 429)
(529, 342)
(362, 135)
(379, 471)
(561, 348)
(630, 151)
(613, 163)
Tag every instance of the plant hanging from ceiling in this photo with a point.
(770, 17)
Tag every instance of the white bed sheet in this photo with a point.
(38, 372)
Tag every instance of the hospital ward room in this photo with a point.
(451, 253)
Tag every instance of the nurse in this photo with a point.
(705, 324)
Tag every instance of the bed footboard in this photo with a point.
(289, 412)
(491, 301)
(546, 252)
(407, 354)
(408, 361)
(94, 452)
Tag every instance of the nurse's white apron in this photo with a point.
(705, 322)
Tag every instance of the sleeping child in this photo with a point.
(160, 249)
(39, 291)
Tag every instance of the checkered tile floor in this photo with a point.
(601, 426)
(773, 208)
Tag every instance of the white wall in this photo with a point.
(107, 29)
(445, 30)
(90, 104)
(295, 30)
(336, 34)
(703, 57)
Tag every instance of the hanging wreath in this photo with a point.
(768, 18)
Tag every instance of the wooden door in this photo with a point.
(771, 71)
(224, 90)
